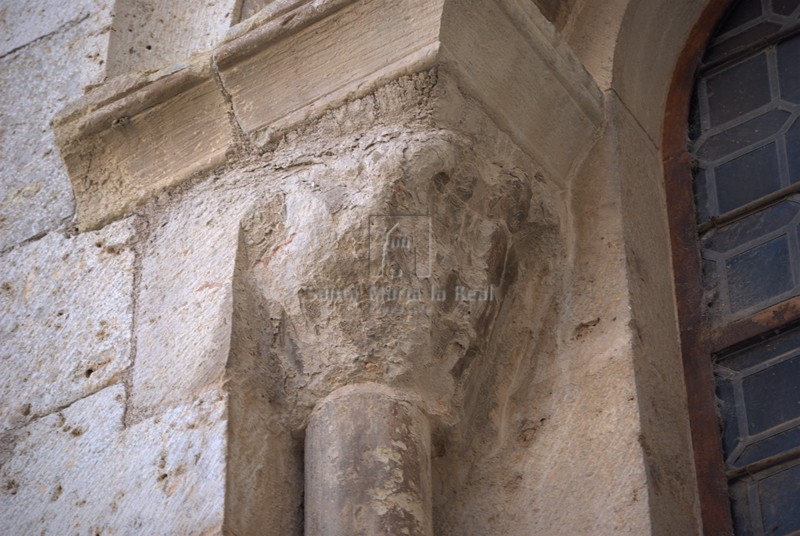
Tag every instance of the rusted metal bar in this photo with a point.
(761, 323)
(763, 464)
(758, 204)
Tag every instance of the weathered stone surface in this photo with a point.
(120, 149)
(66, 307)
(550, 440)
(183, 312)
(153, 35)
(360, 39)
(525, 77)
(265, 455)
(592, 31)
(185, 303)
(666, 438)
(493, 216)
(286, 233)
(410, 325)
(35, 82)
(251, 7)
(368, 475)
(643, 84)
(79, 471)
(21, 23)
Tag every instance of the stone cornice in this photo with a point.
(279, 19)
(134, 135)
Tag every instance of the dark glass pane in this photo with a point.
(793, 150)
(772, 396)
(728, 412)
(701, 196)
(740, 41)
(747, 178)
(739, 137)
(695, 128)
(744, 11)
(789, 69)
(785, 7)
(776, 495)
(762, 351)
(740, 504)
(759, 274)
(779, 495)
(751, 228)
(771, 446)
(738, 89)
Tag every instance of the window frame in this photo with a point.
(699, 340)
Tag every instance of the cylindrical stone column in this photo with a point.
(367, 465)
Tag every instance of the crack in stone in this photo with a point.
(64, 27)
(142, 228)
(240, 138)
(58, 409)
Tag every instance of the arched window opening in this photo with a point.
(744, 143)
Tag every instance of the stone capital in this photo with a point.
(134, 135)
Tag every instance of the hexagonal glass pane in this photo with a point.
(759, 274)
(747, 178)
(738, 89)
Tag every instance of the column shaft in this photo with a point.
(367, 465)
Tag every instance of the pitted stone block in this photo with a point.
(80, 471)
(35, 82)
(66, 307)
(22, 24)
(184, 304)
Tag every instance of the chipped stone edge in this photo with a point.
(127, 96)
(421, 60)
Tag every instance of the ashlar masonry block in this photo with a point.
(80, 471)
(66, 307)
(36, 82)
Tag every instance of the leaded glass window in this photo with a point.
(745, 145)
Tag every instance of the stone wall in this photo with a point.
(73, 459)
(165, 344)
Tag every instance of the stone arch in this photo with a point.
(642, 52)
(652, 36)
(712, 489)
(654, 56)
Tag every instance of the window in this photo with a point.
(744, 143)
